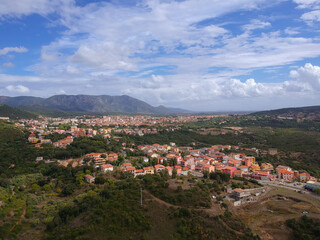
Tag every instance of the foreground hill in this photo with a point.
(88, 104)
(305, 110)
(15, 113)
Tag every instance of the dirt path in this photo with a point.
(20, 219)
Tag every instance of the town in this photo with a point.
(192, 163)
(236, 161)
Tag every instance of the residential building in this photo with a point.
(106, 168)
(148, 170)
(89, 178)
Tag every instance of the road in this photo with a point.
(290, 186)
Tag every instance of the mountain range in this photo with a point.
(86, 104)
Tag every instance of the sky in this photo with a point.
(202, 55)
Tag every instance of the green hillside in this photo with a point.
(15, 113)
(306, 110)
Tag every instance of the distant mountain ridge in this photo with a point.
(295, 110)
(88, 104)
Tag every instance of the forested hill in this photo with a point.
(306, 110)
(15, 113)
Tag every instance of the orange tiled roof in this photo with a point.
(284, 171)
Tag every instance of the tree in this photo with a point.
(99, 180)
(205, 174)
(121, 158)
(68, 189)
(174, 173)
(80, 178)
(46, 188)
(173, 162)
(164, 174)
(165, 163)
(35, 188)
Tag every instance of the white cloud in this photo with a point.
(307, 3)
(312, 16)
(215, 88)
(8, 65)
(72, 70)
(62, 92)
(166, 33)
(291, 31)
(309, 75)
(112, 49)
(17, 89)
(6, 50)
(256, 24)
(117, 36)
(17, 78)
(106, 55)
(18, 8)
(154, 82)
(314, 5)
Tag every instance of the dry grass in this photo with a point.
(267, 217)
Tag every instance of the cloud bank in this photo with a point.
(178, 53)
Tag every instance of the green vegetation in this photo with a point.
(80, 147)
(184, 138)
(305, 228)
(15, 113)
(198, 225)
(112, 212)
(198, 196)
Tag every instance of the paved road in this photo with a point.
(291, 187)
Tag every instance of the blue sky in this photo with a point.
(206, 55)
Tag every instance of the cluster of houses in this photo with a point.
(86, 127)
(145, 131)
(64, 142)
(100, 159)
(186, 160)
